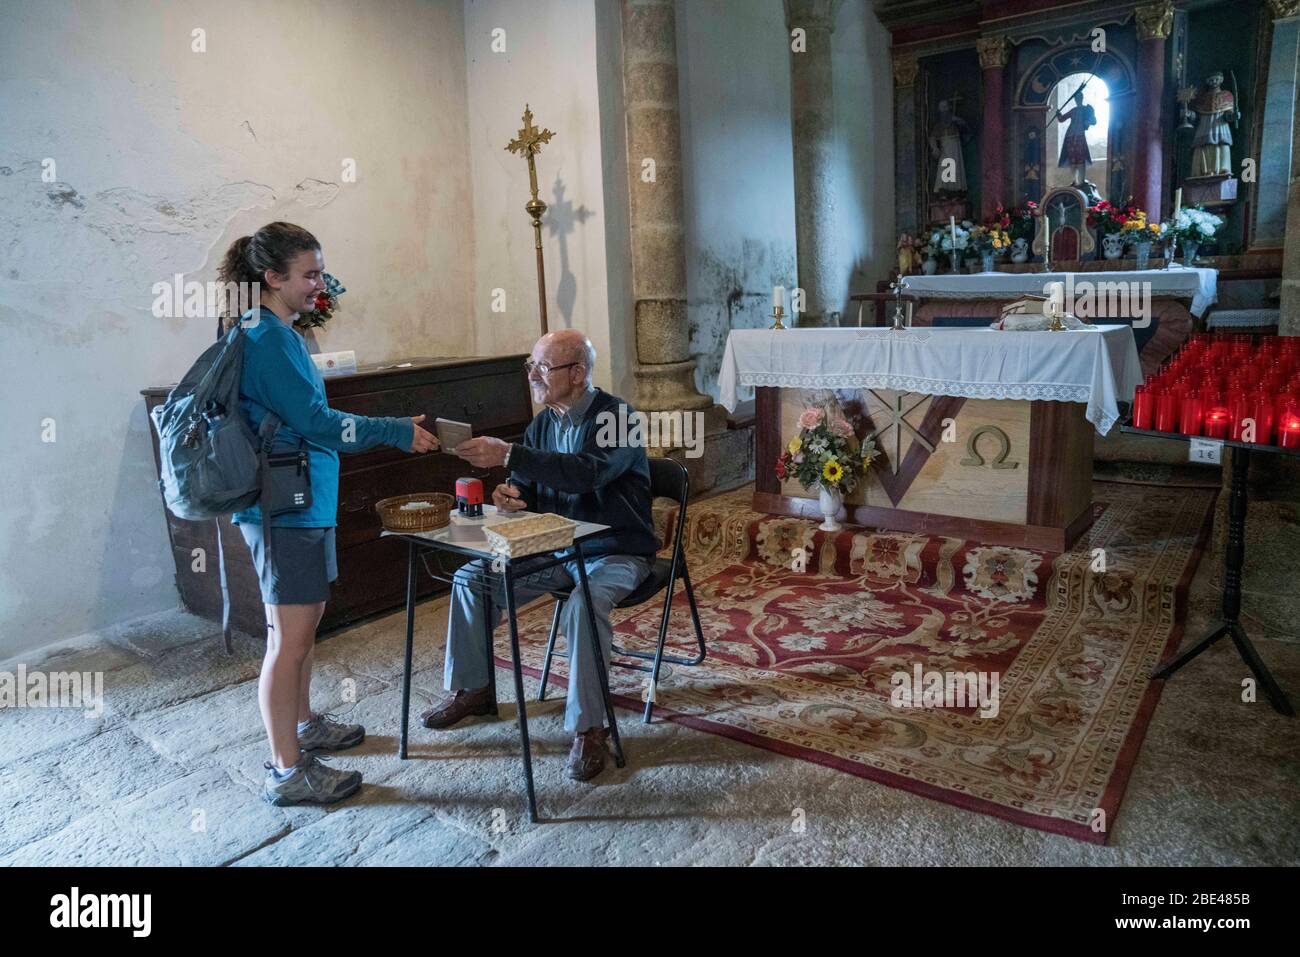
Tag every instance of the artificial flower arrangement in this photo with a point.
(826, 452)
(989, 238)
(941, 238)
(1194, 225)
(327, 301)
(1018, 221)
(910, 249)
(1127, 221)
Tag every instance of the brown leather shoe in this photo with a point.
(460, 705)
(587, 756)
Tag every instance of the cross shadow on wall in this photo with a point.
(561, 220)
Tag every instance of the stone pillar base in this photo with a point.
(724, 459)
(668, 386)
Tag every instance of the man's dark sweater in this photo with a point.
(591, 484)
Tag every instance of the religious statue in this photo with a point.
(1074, 147)
(945, 146)
(1212, 142)
(1210, 181)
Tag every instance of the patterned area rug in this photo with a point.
(811, 663)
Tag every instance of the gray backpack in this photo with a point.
(212, 464)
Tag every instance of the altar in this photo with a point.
(981, 434)
(1163, 305)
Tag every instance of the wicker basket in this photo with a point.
(528, 536)
(436, 514)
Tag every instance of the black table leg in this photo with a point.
(491, 650)
(410, 641)
(1234, 559)
(519, 692)
(601, 671)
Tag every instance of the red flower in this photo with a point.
(780, 467)
(322, 302)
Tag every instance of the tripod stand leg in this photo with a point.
(1271, 688)
(1165, 670)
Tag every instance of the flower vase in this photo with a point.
(1143, 255)
(929, 267)
(829, 501)
(1190, 246)
(986, 262)
(1112, 246)
(1020, 251)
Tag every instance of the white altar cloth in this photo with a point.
(1098, 365)
(1199, 285)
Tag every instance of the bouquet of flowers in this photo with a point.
(326, 303)
(1018, 221)
(1194, 225)
(941, 239)
(826, 452)
(1140, 231)
(989, 239)
(1117, 219)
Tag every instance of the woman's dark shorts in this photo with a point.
(302, 564)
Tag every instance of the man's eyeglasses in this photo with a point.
(544, 368)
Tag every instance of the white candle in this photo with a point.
(1178, 201)
(1047, 236)
(952, 224)
(778, 298)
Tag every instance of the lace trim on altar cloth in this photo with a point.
(1049, 391)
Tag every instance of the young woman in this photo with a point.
(279, 375)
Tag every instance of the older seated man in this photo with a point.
(560, 467)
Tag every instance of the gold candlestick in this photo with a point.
(528, 143)
(778, 313)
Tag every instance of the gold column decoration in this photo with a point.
(528, 143)
(1284, 8)
(994, 52)
(1155, 21)
(905, 69)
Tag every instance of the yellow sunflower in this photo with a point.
(832, 471)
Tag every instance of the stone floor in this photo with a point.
(170, 774)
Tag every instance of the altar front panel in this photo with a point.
(1016, 472)
(992, 483)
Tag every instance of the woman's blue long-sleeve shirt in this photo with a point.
(279, 375)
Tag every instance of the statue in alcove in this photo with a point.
(949, 133)
(946, 141)
(1210, 182)
(1074, 147)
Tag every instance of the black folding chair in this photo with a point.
(668, 479)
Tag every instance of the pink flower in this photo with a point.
(841, 427)
(810, 418)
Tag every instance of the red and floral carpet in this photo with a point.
(802, 662)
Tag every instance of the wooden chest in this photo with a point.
(490, 394)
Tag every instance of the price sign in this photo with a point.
(1205, 451)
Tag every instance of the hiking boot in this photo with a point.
(460, 705)
(324, 734)
(587, 756)
(310, 781)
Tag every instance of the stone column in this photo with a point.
(665, 372)
(994, 52)
(908, 218)
(813, 120)
(1154, 23)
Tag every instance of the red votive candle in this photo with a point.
(1189, 418)
(1288, 431)
(1262, 405)
(1144, 406)
(1242, 409)
(1167, 412)
(1217, 420)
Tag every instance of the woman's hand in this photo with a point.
(421, 439)
(508, 498)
